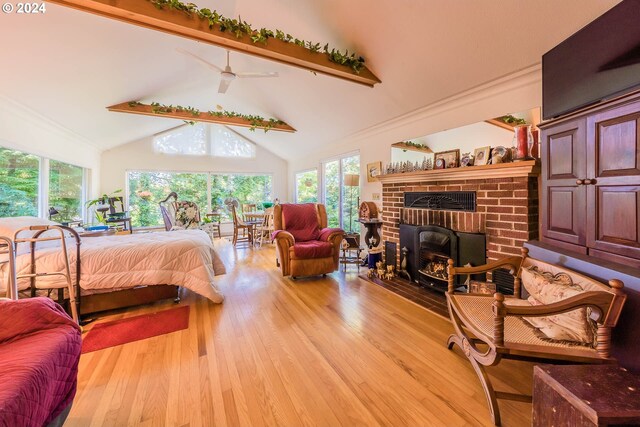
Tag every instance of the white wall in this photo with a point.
(25, 130)
(139, 155)
(519, 91)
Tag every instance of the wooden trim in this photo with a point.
(203, 116)
(501, 124)
(145, 14)
(404, 146)
(501, 170)
(126, 298)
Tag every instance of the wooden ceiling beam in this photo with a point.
(143, 13)
(203, 116)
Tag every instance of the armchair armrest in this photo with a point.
(327, 234)
(598, 300)
(283, 237)
(513, 263)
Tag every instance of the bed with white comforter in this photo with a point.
(185, 258)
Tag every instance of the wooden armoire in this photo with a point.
(591, 181)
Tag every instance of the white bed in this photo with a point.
(184, 258)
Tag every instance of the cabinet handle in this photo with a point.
(589, 181)
(580, 181)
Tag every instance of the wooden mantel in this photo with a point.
(501, 170)
(144, 14)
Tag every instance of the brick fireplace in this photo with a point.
(506, 210)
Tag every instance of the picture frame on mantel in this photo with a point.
(451, 158)
(373, 171)
(481, 156)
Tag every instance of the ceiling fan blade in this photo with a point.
(257, 74)
(202, 61)
(224, 85)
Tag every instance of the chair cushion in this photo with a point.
(301, 220)
(312, 249)
(545, 288)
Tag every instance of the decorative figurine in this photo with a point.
(390, 275)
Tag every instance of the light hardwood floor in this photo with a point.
(337, 351)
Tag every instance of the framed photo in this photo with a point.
(481, 156)
(451, 159)
(499, 154)
(373, 171)
(466, 160)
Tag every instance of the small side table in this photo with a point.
(585, 395)
(373, 230)
(348, 256)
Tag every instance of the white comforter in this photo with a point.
(184, 258)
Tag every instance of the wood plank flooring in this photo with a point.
(338, 351)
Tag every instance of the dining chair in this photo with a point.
(240, 225)
(215, 218)
(266, 229)
(248, 207)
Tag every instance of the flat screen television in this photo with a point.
(599, 62)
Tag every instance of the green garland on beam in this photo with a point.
(254, 120)
(240, 28)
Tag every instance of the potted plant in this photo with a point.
(101, 206)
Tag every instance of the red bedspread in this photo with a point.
(39, 353)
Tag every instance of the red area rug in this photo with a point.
(122, 331)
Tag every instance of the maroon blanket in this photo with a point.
(39, 353)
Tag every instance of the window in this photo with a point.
(341, 191)
(307, 186)
(350, 170)
(147, 189)
(19, 183)
(188, 140)
(227, 143)
(202, 139)
(246, 188)
(66, 190)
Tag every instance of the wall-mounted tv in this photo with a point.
(599, 62)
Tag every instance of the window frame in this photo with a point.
(43, 183)
(322, 185)
(208, 131)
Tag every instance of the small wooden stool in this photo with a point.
(585, 395)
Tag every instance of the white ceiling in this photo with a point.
(69, 65)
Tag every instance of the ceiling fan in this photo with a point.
(226, 74)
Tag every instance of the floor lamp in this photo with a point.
(351, 180)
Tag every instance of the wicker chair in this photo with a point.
(489, 328)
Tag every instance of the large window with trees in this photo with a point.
(307, 186)
(341, 191)
(19, 183)
(66, 190)
(208, 190)
(30, 185)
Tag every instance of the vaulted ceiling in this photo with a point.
(69, 65)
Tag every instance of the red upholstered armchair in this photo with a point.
(306, 247)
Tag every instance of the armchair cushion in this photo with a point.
(312, 249)
(301, 221)
(545, 288)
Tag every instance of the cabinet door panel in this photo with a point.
(617, 224)
(563, 216)
(613, 159)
